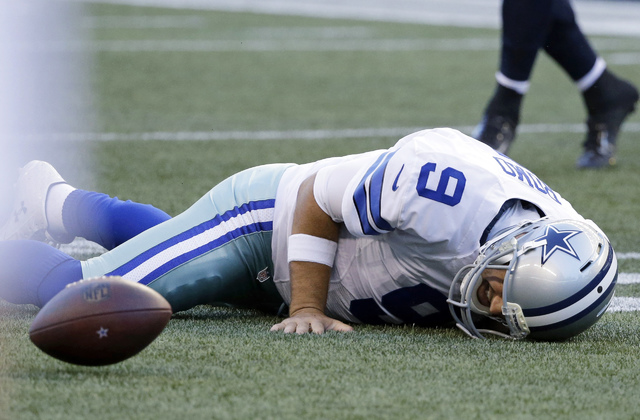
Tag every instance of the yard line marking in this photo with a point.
(328, 43)
(624, 304)
(322, 32)
(628, 255)
(307, 135)
(631, 127)
(628, 278)
(239, 135)
(142, 22)
(261, 45)
(624, 58)
(328, 39)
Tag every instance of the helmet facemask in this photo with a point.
(467, 308)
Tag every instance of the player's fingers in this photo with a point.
(317, 327)
(303, 327)
(290, 328)
(340, 327)
(277, 327)
(285, 326)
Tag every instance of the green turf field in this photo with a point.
(293, 77)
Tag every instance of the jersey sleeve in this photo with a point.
(371, 193)
(372, 204)
(331, 182)
(376, 195)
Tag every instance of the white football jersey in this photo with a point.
(412, 216)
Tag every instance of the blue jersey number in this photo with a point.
(450, 187)
(413, 305)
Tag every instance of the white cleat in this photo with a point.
(28, 219)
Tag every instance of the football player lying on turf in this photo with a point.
(438, 228)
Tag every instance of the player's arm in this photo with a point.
(310, 278)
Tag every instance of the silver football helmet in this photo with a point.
(559, 279)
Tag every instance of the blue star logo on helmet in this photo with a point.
(557, 240)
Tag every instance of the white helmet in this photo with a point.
(560, 278)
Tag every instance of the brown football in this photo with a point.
(100, 321)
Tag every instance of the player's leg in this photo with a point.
(608, 99)
(107, 220)
(217, 251)
(569, 47)
(32, 272)
(47, 207)
(524, 28)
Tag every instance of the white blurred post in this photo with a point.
(43, 94)
(43, 86)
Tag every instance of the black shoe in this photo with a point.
(600, 145)
(496, 131)
(603, 128)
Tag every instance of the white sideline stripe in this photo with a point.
(303, 134)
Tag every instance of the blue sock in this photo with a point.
(108, 221)
(34, 272)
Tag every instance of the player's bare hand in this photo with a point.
(315, 322)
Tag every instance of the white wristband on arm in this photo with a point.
(310, 248)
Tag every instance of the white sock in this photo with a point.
(590, 78)
(56, 197)
(520, 86)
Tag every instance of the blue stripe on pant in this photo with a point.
(214, 252)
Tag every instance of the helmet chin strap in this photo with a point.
(513, 316)
(515, 320)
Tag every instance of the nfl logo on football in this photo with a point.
(97, 292)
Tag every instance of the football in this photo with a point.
(100, 321)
